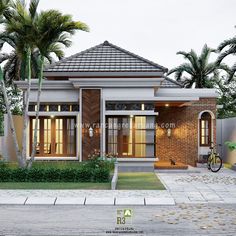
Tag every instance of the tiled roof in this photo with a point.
(170, 83)
(105, 57)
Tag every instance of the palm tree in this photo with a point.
(15, 67)
(231, 45)
(48, 40)
(21, 24)
(4, 12)
(200, 71)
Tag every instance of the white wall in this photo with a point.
(56, 96)
(128, 93)
(226, 131)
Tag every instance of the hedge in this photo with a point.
(82, 174)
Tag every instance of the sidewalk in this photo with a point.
(86, 197)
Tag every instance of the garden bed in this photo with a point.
(94, 171)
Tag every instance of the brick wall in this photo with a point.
(90, 117)
(183, 143)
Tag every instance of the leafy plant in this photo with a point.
(231, 145)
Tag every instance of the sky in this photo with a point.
(154, 29)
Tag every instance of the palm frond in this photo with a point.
(33, 8)
(231, 50)
(226, 43)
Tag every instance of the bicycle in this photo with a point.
(214, 161)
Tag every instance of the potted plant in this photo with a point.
(232, 147)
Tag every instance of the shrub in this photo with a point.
(68, 175)
(35, 175)
(51, 175)
(101, 175)
(4, 175)
(84, 174)
(18, 175)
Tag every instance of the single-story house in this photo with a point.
(112, 100)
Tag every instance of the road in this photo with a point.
(182, 219)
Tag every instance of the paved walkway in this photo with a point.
(203, 187)
(86, 197)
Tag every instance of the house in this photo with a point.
(110, 99)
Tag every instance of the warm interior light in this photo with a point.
(169, 133)
(90, 132)
(142, 107)
(52, 116)
(167, 104)
(131, 116)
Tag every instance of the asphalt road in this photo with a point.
(102, 220)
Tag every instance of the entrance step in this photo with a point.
(136, 164)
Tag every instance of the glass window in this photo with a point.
(38, 135)
(205, 129)
(57, 135)
(131, 136)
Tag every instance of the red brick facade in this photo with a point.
(183, 143)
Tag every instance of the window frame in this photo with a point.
(209, 119)
(53, 136)
(134, 143)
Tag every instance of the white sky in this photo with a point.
(154, 29)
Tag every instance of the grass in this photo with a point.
(55, 185)
(139, 181)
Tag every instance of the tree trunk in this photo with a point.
(12, 127)
(37, 112)
(26, 105)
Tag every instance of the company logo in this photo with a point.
(124, 216)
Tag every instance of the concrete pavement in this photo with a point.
(203, 187)
(178, 220)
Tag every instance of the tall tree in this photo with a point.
(22, 23)
(53, 32)
(198, 71)
(4, 12)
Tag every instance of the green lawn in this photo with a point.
(55, 185)
(139, 181)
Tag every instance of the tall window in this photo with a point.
(205, 129)
(55, 136)
(130, 136)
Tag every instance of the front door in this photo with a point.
(131, 136)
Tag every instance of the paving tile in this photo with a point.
(70, 201)
(230, 200)
(40, 201)
(99, 201)
(159, 201)
(129, 201)
(182, 200)
(12, 200)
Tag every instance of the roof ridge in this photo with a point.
(135, 55)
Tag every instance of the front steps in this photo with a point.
(136, 164)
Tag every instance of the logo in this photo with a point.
(124, 216)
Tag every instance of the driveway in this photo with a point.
(203, 187)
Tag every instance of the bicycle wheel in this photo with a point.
(215, 163)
